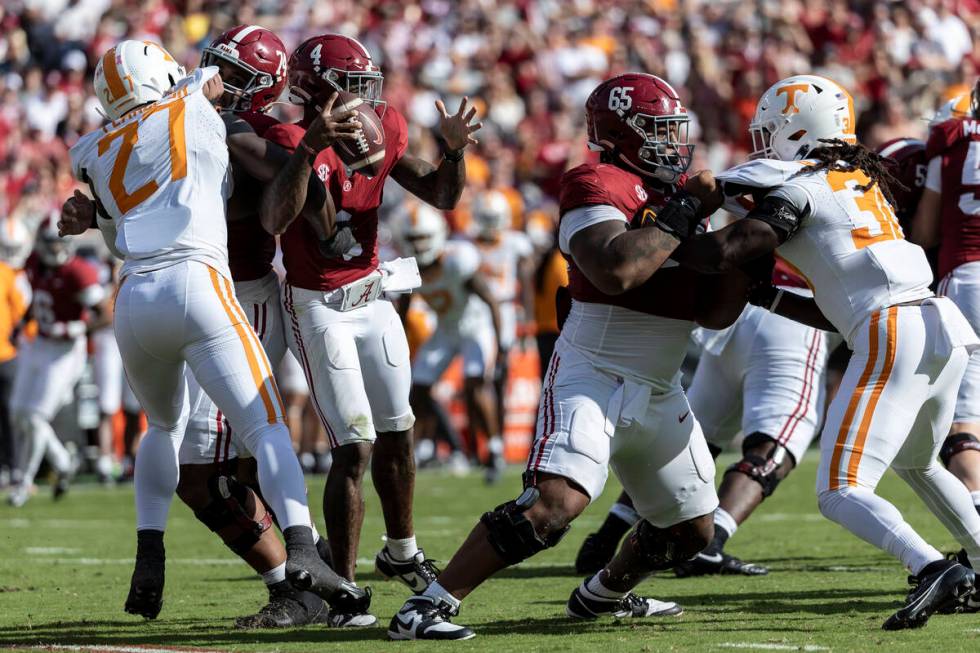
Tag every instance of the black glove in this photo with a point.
(679, 217)
(341, 242)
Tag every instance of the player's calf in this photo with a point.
(960, 454)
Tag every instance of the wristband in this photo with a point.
(453, 155)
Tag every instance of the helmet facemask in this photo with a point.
(239, 92)
(666, 152)
(366, 84)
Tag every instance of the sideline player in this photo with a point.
(355, 355)
(823, 205)
(139, 166)
(949, 216)
(763, 377)
(468, 324)
(613, 395)
(67, 299)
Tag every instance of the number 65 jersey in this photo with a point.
(162, 174)
(849, 246)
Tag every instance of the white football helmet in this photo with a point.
(423, 234)
(16, 242)
(958, 107)
(133, 73)
(491, 214)
(796, 113)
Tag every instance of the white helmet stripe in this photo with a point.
(898, 145)
(245, 31)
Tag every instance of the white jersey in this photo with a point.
(499, 261)
(849, 246)
(162, 175)
(447, 293)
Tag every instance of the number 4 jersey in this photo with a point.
(849, 246)
(953, 153)
(161, 172)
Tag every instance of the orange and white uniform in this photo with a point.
(162, 174)
(909, 348)
(499, 261)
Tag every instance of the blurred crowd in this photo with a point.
(528, 64)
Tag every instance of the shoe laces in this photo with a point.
(634, 603)
(427, 570)
(435, 608)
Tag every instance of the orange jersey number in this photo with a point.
(873, 216)
(129, 133)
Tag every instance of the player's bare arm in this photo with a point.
(442, 185)
(478, 286)
(728, 249)
(286, 195)
(617, 259)
(721, 298)
(925, 224)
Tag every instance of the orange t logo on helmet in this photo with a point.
(791, 90)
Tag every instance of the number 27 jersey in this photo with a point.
(849, 247)
(162, 174)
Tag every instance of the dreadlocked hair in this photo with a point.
(841, 156)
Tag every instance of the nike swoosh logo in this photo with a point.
(715, 559)
(403, 628)
(683, 417)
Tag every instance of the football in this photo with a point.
(366, 152)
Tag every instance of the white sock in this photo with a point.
(595, 586)
(626, 513)
(155, 477)
(274, 575)
(280, 476)
(496, 445)
(878, 522)
(725, 521)
(438, 592)
(949, 501)
(402, 549)
(104, 465)
(976, 499)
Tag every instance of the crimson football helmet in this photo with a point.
(333, 62)
(909, 155)
(638, 121)
(52, 249)
(259, 61)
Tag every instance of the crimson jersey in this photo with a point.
(356, 198)
(669, 292)
(250, 247)
(59, 293)
(957, 142)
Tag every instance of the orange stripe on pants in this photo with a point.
(253, 364)
(852, 407)
(891, 340)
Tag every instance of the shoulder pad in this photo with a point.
(947, 133)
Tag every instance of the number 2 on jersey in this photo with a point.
(872, 215)
(129, 133)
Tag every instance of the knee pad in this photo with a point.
(957, 443)
(764, 470)
(510, 533)
(658, 548)
(227, 512)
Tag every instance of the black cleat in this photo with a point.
(942, 585)
(307, 571)
(323, 550)
(971, 604)
(583, 604)
(418, 573)
(595, 554)
(60, 487)
(706, 564)
(146, 586)
(287, 607)
(422, 618)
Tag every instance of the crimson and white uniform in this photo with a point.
(349, 339)
(464, 326)
(953, 153)
(50, 365)
(499, 262)
(612, 392)
(764, 374)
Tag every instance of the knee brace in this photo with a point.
(658, 548)
(227, 510)
(957, 443)
(510, 533)
(762, 470)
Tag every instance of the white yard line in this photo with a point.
(50, 550)
(106, 648)
(761, 646)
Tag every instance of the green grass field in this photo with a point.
(64, 573)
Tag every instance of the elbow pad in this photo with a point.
(679, 217)
(779, 214)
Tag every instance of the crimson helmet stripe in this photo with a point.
(242, 33)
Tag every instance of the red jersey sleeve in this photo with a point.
(581, 186)
(396, 131)
(286, 135)
(942, 136)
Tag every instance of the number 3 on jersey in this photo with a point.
(872, 216)
(129, 133)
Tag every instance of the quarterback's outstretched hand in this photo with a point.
(457, 130)
(77, 215)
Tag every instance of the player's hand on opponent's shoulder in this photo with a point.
(328, 127)
(707, 190)
(77, 215)
(457, 129)
(214, 88)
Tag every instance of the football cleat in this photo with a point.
(704, 564)
(423, 618)
(307, 571)
(287, 607)
(418, 573)
(583, 604)
(971, 603)
(351, 620)
(146, 585)
(18, 496)
(323, 550)
(595, 554)
(60, 487)
(941, 585)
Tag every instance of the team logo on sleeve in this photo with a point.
(640, 192)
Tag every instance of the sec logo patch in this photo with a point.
(641, 193)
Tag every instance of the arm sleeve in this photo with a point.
(934, 176)
(288, 136)
(585, 216)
